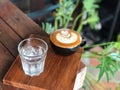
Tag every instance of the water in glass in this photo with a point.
(33, 60)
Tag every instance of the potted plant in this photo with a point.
(88, 15)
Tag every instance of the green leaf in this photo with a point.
(111, 71)
(107, 66)
(47, 27)
(118, 37)
(107, 76)
(101, 73)
(98, 66)
(114, 67)
(114, 56)
(117, 45)
(108, 48)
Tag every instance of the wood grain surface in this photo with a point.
(14, 26)
(59, 73)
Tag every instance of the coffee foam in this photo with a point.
(65, 38)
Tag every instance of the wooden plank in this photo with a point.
(59, 74)
(7, 87)
(17, 20)
(2, 87)
(6, 60)
(9, 38)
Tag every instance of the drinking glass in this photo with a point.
(33, 53)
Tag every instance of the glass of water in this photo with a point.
(33, 53)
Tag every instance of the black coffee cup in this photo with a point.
(66, 42)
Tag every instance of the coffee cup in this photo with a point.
(66, 41)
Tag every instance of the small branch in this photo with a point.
(80, 27)
(56, 24)
(75, 21)
(98, 45)
(67, 22)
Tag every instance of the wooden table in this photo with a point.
(14, 27)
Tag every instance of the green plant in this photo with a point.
(109, 58)
(64, 15)
(89, 14)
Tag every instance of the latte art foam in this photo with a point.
(65, 38)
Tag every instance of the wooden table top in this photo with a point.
(16, 26)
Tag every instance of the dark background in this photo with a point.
(109, 11)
